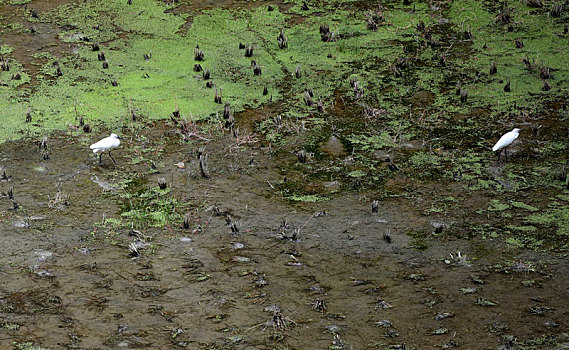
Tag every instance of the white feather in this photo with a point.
(506, 139)
(106, 144)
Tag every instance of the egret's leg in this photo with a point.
(110, 155)
(506, 153)
(100, 157)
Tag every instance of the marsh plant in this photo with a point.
(60, 201)
(152, 206)
(202, 160)
(282, 40)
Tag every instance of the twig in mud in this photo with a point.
(278, 322)
(307, 221)
(375, 206)
(10, 193)
(133, 250)
(387, 236)
(318, 305)
(240, 140)
(187, 220)
(138, 234)
(295, 232)
(190, 129)
(202, 159)
(208, 220)
(4, 177)
(98, 303)
(294, 262)
(60, 201)
(382, 304)
(123, 277)
(458, 259)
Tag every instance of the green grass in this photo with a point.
(449, 140)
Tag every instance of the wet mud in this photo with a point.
(250, 270)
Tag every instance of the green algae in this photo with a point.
(11, 327)
(157, 85)
(496, 205)
(556, 216)
(493, 44)
(167, 79)
(524, 206)
(371, 142)
(524, 229)
(305, 198)
(15, 2)
(14, 76)
(456, 136)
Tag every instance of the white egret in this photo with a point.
(106, 144)
(506, 140)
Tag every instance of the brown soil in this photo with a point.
(69, 281)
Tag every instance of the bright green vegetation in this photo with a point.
(544, 341)
(304, 198)
(156, 86)
(522, 205)
(26, 346)
(557, 216)
(496, 205)
(386, 78)
(143, 206)
(11, 326)
(526, 226)
(14, 2)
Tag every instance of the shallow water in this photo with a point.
(68, 280)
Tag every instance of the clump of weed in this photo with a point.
(149, 206)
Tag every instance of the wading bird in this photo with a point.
(106, 144)
(506, 140)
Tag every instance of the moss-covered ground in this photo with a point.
(388, 76)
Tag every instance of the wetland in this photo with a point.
(292, 174)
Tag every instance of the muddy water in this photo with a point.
(68, 280)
